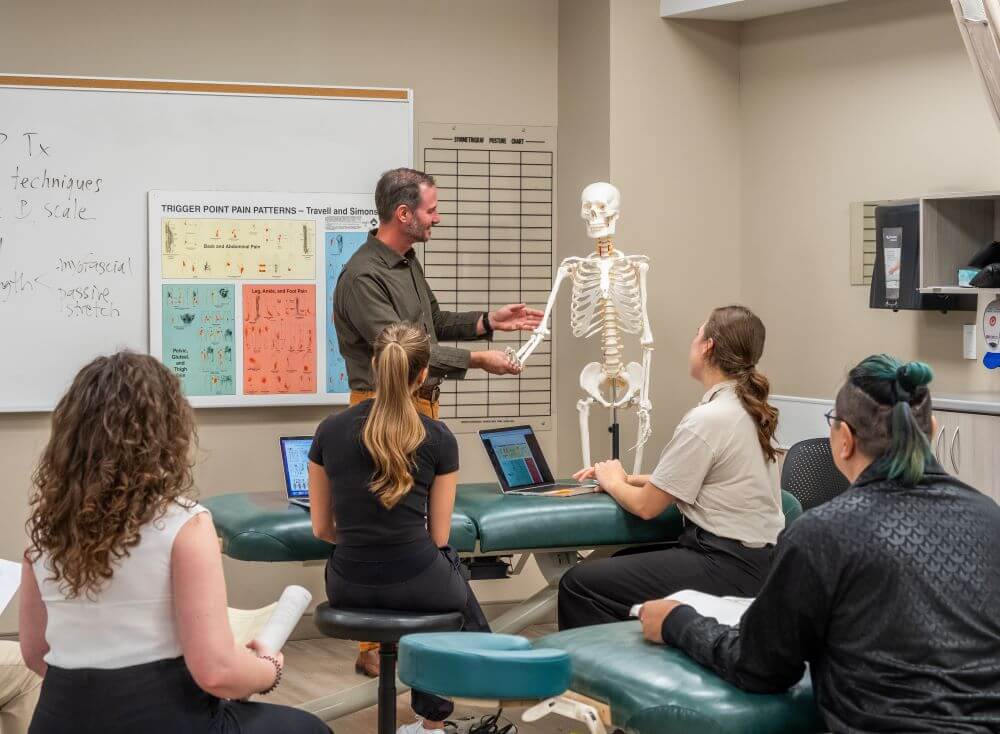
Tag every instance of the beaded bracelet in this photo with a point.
(277, 673)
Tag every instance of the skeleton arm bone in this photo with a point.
(645, 406)
(566, 269)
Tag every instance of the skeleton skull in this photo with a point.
(600, 207)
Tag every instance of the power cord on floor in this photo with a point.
(494, 724)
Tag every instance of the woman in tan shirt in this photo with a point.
(719, 469)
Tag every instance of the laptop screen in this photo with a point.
(295, 458)
(516, 456)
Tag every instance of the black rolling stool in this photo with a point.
(384, 627)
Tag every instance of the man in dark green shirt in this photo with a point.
(383, 283)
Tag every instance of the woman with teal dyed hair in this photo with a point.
(889, 591)
(883, 418)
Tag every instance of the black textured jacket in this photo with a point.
(891, 594)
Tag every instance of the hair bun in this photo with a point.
(913, 375)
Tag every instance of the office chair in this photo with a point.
(810, 475)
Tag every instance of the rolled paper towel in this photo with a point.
(291, 606)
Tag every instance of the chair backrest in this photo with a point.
(810, 475)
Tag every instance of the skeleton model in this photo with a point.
(609, 299)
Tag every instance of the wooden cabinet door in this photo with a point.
(948, 423)
(967, 449)
(978, 463)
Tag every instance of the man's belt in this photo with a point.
(430, 393)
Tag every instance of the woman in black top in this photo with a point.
(382, 481)
(889, 592)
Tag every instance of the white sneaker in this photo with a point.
(417, 727)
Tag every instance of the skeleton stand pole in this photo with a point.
(613, 428)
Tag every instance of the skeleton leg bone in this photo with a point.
(583, 406)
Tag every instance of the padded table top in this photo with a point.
(262, 526)
(654, 689)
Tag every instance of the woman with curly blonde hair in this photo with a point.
(123, 601)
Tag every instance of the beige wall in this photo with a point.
(467, 60)
(584, 157)
(737, 150)
(871, 99)
(675, 156)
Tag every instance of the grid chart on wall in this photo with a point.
(494, 246)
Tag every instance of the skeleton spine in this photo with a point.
(611, 342)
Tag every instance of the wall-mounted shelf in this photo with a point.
(735, 10)
(952, 228)
(955, 289)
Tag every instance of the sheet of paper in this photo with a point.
(270, 625)
(10, 579)
(287, 613)
(246, 623)
(726, 609)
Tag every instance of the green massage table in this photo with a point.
(654, 689)
(485, 526)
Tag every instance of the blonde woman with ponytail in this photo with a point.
(382, 482)
(719, 469)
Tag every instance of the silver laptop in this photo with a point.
(520, 464)
(295, 460)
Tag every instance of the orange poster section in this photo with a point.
(279, 339)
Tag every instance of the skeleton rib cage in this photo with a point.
(617, 312)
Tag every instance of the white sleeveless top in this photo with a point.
(131, 621)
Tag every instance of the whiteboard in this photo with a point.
(78, 158)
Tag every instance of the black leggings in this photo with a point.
(426, 579)
(153, 698)
(601, 591)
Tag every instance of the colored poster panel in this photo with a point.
(198, 337)
(340, 246)
(279, 339)
(238, 248)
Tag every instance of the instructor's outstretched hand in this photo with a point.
(515, 317)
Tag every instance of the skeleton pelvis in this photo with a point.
(594, 380)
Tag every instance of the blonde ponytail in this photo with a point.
(393, 430)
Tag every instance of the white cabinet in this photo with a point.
(965, 445)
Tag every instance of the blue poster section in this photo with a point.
(339, 248)
(198, 337)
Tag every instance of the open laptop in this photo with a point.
(520, 464)
(295, 460)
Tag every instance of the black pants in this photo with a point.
(423, 579)
(154, 698)
(597, 592)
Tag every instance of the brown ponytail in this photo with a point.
(393, 430)
(737, 336)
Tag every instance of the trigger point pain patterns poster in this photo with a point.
(241, 288)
